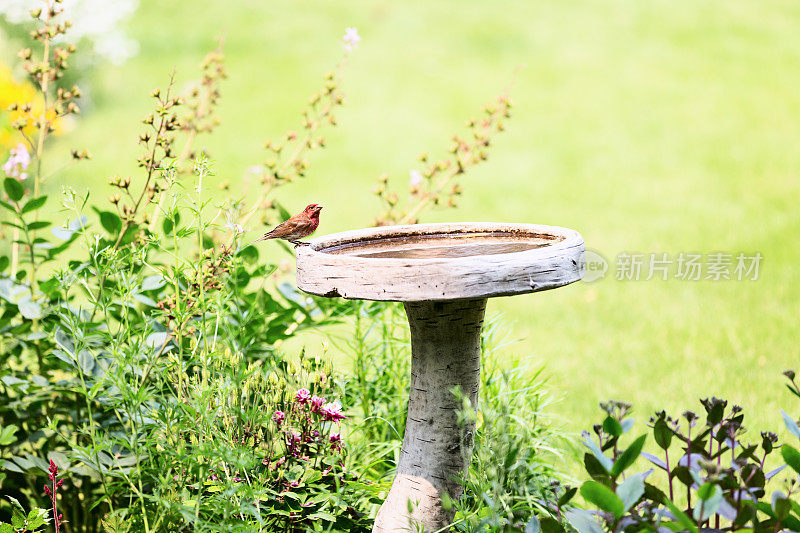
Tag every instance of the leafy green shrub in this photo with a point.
(715, 480)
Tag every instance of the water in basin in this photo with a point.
(443, 245)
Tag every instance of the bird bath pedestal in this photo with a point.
(443, 274)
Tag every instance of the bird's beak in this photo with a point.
(318, 208)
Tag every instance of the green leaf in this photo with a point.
(631, 490)
(4, 262)
(36, 518)
(709, 503)
(14, 189)
(612, 426)
(602, 497)
(50, 286)
(7, 435)
(628, 457)
(38, 224)
(6, 528)
(249, 254)
(681, 517)
(145, 300)
(110, 222)
(153, 282)
(285, 215)
(604, 461)
(29, 309)
(583, 521)
(791, 425)
(654, 493)
(551, 525)
(533, 525)
(781, 505)
(166, 225)
(18, 518)
(791, 456)
(33, 204)
(567, 496)
(662, 434)
(321, 515)
(706, 491)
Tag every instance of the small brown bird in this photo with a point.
(297, 227)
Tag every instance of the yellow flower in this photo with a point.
(12, 92)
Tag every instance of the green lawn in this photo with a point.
(655, 126)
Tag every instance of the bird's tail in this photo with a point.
(262, 238)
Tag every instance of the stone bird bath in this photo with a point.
(443, 274)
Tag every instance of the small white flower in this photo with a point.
(351, 39)
(256, 170)
(415, 178)
(235, 227)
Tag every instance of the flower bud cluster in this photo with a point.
(35, 120)
(202, 100)
(436, 184)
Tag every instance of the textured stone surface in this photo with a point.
(410, 280)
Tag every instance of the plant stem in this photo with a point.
(44, 127)
(669, 475)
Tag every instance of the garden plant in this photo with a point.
(148, 380)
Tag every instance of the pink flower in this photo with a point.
(302, 396)
(335, 438)
(351, 39)
(316, 403)
(278, 417)
(332, 411)
(18, 162)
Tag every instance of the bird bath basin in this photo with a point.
(443, 274)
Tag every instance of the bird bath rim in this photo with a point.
(324, 272)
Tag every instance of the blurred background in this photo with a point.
(650, 127)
